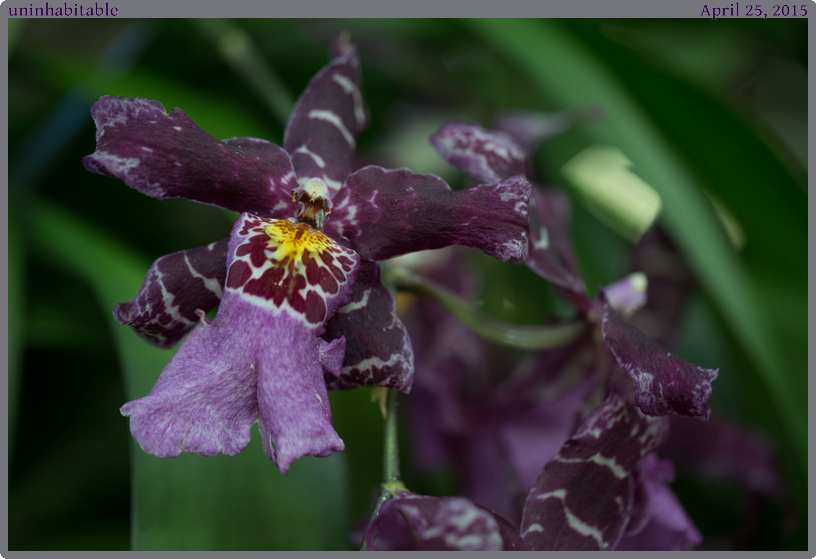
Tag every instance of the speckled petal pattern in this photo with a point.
(385, 213)
(168, 156)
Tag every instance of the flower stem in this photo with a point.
(517, 336)
(391, 482)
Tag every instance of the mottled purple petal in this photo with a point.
(660, 522)
(439, 523)
(488, 155)
(328, 116)
(260, 358)
(663, 383)
(169, 156)
(176, 285)
(378, 348)
(583, 498)
(551, 254)
(386, 213)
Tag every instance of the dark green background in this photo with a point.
(695, 104)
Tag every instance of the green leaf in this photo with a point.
(193, 502)
(221, 118)
(573, 76)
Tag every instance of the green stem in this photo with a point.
(517, 336)
(392, 482)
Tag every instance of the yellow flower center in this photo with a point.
(293, 240)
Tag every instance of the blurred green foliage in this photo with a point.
(697, 108)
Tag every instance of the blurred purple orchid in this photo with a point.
(663, 384)
(503, 417)
(302, 306)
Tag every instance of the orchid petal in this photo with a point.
(330, 113)
(551, 255)
(664, 384)
(583, 498)
(439, 523)
(169, 156)
(488, 155)
(386, 213)
(660, 523)
(378, 348)
(175, 287)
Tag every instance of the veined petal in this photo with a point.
(551, 255)
(410, 521)
(169, 156)
(260, 358)
(175, 287)
(664, 384)
(488, 155)
(330, 113)
(378, 348)
(583, 498)
(386, 213)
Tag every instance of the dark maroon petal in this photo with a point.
(551, 254)
(411, 522)
(386, 213)
(583, 498)
(328, 116)
(659, 522)
(176, 285)
(488, 155)
(663, 383)
(378, 349)
(169, 156)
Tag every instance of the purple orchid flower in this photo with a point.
(491, 416)
(412, 522)
(302, 303)
(605, 488)
(664, 384)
